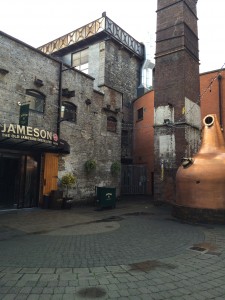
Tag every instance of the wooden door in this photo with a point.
(50, 173)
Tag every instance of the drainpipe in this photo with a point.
(59, 100)
(220, 100)
(140, 89)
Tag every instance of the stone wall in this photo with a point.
(122, 72)
(88, 137)
(24, 65)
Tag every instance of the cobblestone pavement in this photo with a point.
(136, 251)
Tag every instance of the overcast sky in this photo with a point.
(39, 22)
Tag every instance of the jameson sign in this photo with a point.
(28, 133)
(24, 114)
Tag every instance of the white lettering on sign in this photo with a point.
(28, 133)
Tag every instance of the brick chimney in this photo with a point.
(177, 118)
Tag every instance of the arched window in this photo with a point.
(36, 100)
(69, 112)
(111, 124)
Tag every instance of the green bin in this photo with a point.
(106, 197)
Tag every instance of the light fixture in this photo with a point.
(88, 101)
(38, 82)
(167, 121)
(3, 71)
(22, 103)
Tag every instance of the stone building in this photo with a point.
(113, 58)
(62, 105)
(117, 62)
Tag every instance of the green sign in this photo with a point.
(24, 114)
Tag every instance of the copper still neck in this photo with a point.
(200, 181)
(212, 139)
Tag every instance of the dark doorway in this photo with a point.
(9, 168)
(19, 180)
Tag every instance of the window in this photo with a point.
(80, 60)
(36, 100)
(124, 138)
(111, 124)
(69, 112)
(140, 114)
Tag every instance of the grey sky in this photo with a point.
(37, 23)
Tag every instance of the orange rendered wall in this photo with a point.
(143, 136)
(209, 91)
(143, 141)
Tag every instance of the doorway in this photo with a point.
(19, 180)
(9, 166)
(134, 180)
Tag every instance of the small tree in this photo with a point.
(90, 165)
(115, 168)
(67, 181)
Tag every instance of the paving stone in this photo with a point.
(59, 290)
(29, 270)
(67, 276)
(107, 262)
(8, 297)
(12, 270)
(49, 277)
(33, 297)
(46, 271)
(48, 290)
(30, 277)
(25, 290)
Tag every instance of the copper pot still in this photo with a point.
(200, 181)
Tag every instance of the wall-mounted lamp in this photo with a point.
(38, 82)
(88, 101)
(22, 103)
(68, 94)
(167, 121)
(3, 71)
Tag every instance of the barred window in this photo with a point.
(111, 124)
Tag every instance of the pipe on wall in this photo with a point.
(219, 77)
(59, 99)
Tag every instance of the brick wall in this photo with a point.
(176, 92)
(143, 136)
(209, 91)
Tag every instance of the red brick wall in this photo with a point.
(209, 91)
(143, 147)
(143, 138)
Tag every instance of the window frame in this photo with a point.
(81, 66)
(111, 124)
(140, 114)
(71, 105)
(37, 95)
